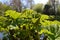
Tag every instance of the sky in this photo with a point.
(41, 1)
(36, 1)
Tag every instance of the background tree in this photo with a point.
(3, 8)
(30, 3)
(52, 10)
(38, 8)
(47, 9)
(16, 5)
(58, 11)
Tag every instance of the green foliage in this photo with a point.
(49, 10)
(45, 32)
(58, 11)
(38, 8)
(12, 14)
(55, 29)
(50, 28)
(28, 25)
(3, 8)
(20, 25)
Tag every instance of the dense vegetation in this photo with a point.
(19, 21)
(28, 25)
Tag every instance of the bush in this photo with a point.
(28, 25)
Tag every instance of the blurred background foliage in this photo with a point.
(38, 8)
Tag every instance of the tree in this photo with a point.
(58, 11)
(16, 5)
(30, 3)
(47, 9)
(52, 10)
(3, 8)
(38, 8)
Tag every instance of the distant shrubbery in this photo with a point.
(38, 8)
